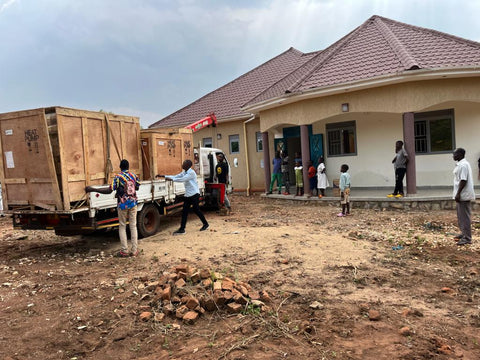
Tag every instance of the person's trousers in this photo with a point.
(399, 175)
(193, 202)
(131, 215)
(278, 178)
(286, 181)
(464, 216)
(226, 201)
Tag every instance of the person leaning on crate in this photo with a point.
(125, 184)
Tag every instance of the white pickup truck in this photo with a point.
(156, 198)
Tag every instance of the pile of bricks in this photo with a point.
(187, 293)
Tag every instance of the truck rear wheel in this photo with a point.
(148, 220)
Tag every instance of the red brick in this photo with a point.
(205, 273)
(265, 297)
(168, 309)
(234, 308)
(240, 299)
(209, 304)
(207, 283)
(217, 285)
(254, 295)
(195, 277)
(192, 303)
(181, 311)
(190, 317)
(146, 315)
(181, 268)
(374, 315)
(180, 283)
(219, 298)
(167, 293)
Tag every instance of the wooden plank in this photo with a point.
(61, 142)
(85, 150)
(97, 176)
(57, 198)
(145, 148)
(123, 142)
(21, 114)
(76, 177)
(96, 149)
(15, 181)
(99, 115)
(2, 177)
(44, 206)
(112, 136)
(41, 180)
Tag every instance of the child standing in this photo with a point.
(312, 178)
(322, 180)
(344, 190)
(299, 178)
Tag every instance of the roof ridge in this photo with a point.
(432, 31)
(407, 60)
(337, 45)
(282, 79)
(292, 49)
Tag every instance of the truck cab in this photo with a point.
(208, 161)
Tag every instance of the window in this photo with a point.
(434, 132)
(207, 142)
(258, 135)
(341, 138)
(234, 144)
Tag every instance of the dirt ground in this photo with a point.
(374, 285)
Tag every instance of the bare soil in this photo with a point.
(374, 285)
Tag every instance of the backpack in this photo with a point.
(127, 192)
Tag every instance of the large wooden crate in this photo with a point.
(51, 154)
(164, 150)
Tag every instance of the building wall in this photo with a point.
(239, 173)
(399, 98)
(378, 116)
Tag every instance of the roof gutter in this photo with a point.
(406, 76)
(252, 117)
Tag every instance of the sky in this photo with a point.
(150, 58)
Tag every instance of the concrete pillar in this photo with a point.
(305, 146)
(409, 145)
(266, 160)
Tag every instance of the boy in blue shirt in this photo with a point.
(344, 191)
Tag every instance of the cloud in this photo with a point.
(6, 4)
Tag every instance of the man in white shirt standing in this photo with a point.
(464, 194)
(192, 195)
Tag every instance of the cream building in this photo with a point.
(385, 81)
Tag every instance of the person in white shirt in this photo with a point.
(192, 195)
(464, 194)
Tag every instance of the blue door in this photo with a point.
(316, 148)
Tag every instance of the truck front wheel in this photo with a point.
(148, 220)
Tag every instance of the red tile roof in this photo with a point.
(378, 47)
(227, 101)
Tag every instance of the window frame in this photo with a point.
(231, 139)
(340, 127)
(428, 118)
(258, 141)
(206, 144)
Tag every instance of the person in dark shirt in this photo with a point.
(277, 173)
(221, 171)
(125, 184)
